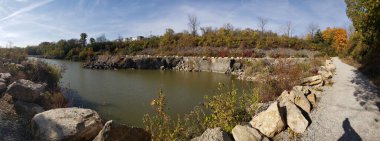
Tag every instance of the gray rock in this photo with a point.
(113, 131)
(66, 124)
(246, 133)
(215, 134)
(25, 90)
(28, 109)
(269, 122)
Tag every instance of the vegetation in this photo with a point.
(14, 61)
(364, 44)
(228, 107)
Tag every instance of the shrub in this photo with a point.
(226, 109)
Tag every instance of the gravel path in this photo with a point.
(348, 110)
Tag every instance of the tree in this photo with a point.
(365, 17)
(83, 39)
(92, 40)
(262, 23)
(312, 28)
(337, 37)
(288, 29)
(193, 24)
(101, 38)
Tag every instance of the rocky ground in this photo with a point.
(13, 127)
(349, 110)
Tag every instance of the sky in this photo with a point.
(29, 22)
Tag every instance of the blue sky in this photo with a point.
(29, 22)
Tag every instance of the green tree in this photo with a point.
(83, 39)
(365, 17)
(92, 40)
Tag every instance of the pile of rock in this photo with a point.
(290, 110)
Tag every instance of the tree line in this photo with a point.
(226, 37)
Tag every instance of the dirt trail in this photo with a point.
(348, 110)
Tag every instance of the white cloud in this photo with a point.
(26, 9)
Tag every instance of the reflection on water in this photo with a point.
(124, 95)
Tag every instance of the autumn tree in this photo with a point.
(365, 17)
(337, 38)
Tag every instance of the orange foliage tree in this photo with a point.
(337, 37)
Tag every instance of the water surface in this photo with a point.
(124, 95)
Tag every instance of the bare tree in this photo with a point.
(193, 24)
(312, 28)
(262, 23)
(288, 29)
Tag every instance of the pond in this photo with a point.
(124, 95)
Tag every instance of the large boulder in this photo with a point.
(329, 65)
(294, 118)
(246, 133)
(269, 122)
(113, 131)
(25, 90)
(66, 124)
(215, 134)
(28, 109)
(299, 98)
(315, 81)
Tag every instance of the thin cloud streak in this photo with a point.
(26, 9)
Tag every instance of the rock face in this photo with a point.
(113, 131)
(269, 122)
(25, 90)
(246, 133)
(28, 109)
(215, 134)
(294, 118)
(312, 99)
(66, 124)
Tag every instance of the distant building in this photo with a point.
(137, 38)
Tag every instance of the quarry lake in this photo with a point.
(124, 95)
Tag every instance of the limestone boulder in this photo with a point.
(294, 117)
(300, 100)
(25, 90)
(246, 133)
(316, 80)
(269, 122)
(66, 124)
(215, 134)
(113, 131)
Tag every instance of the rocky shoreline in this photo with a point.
(226, 65)
(290, 111)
